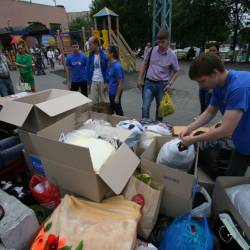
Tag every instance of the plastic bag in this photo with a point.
(204, 210)
(135, 127)
(79, 224)
(171, 156)
(240, 197)
(166, 106)
(186, 233)
(46, 193)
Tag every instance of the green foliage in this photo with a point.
(135, 19)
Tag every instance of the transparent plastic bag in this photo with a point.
(240, 197)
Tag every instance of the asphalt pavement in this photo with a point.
(184, 96)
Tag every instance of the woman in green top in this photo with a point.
(24, 63)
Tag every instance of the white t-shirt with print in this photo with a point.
(97, 75)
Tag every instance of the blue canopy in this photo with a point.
(105, 12)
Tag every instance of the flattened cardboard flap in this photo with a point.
(119, 168)
(63, 103)
(15, 112)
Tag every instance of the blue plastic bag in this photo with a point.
(187, 233)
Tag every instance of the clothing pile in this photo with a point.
(101, 145)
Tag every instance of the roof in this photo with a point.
(105, 12)
(29, 29)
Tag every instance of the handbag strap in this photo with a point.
(148, 63)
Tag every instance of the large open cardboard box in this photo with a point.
(179, 186)
(70, 166)
(222, 203)
(37, 111)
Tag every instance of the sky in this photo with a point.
(70, 5)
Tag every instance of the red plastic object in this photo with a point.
(45, 193)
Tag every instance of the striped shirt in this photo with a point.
(4, 68)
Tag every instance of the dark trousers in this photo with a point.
(238, 164)
(52, 64)
(83, 86)
(116, 107)
(205, 97)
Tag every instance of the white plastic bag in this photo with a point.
(240, 197)
(171, 156)
(204, 210)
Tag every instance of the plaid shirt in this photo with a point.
(4, 68)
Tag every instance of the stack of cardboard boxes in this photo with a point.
(43, 116)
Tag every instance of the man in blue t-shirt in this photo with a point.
(76, 70)
(115, 78)
(231, 95)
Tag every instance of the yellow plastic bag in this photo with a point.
(166, 106)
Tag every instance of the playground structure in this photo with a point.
(107, 35)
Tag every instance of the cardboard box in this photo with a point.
(81, 115)
(179, 186)
(205, 180)
(178, 129)
(39, 110)
(70, 166)
(222, 203)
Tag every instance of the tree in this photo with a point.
(75, 28)
(237, 9)
(135, 19)
(198, 21)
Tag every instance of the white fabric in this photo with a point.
(170, 156)
(99, 150)
(50, 54)
(159, 129)
(97, 75)
(204, 210)
(240, 197)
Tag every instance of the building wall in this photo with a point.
(74, 15)
(15, 13)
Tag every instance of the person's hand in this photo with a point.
(185, 132)
(139, 84)
(168, 87)
(105, 88)
(188, 140)
(117, 100)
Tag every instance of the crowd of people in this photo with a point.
(29, 62)
(100, 76)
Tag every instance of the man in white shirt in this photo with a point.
(51, 56)
(97, 72)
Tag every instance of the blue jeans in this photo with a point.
(152, 90)
(6, 87)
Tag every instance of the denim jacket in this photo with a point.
(104, 66)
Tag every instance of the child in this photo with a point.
(116, 76)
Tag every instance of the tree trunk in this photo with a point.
(248, 52)
(236, 27)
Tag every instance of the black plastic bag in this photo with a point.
(214, 156)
